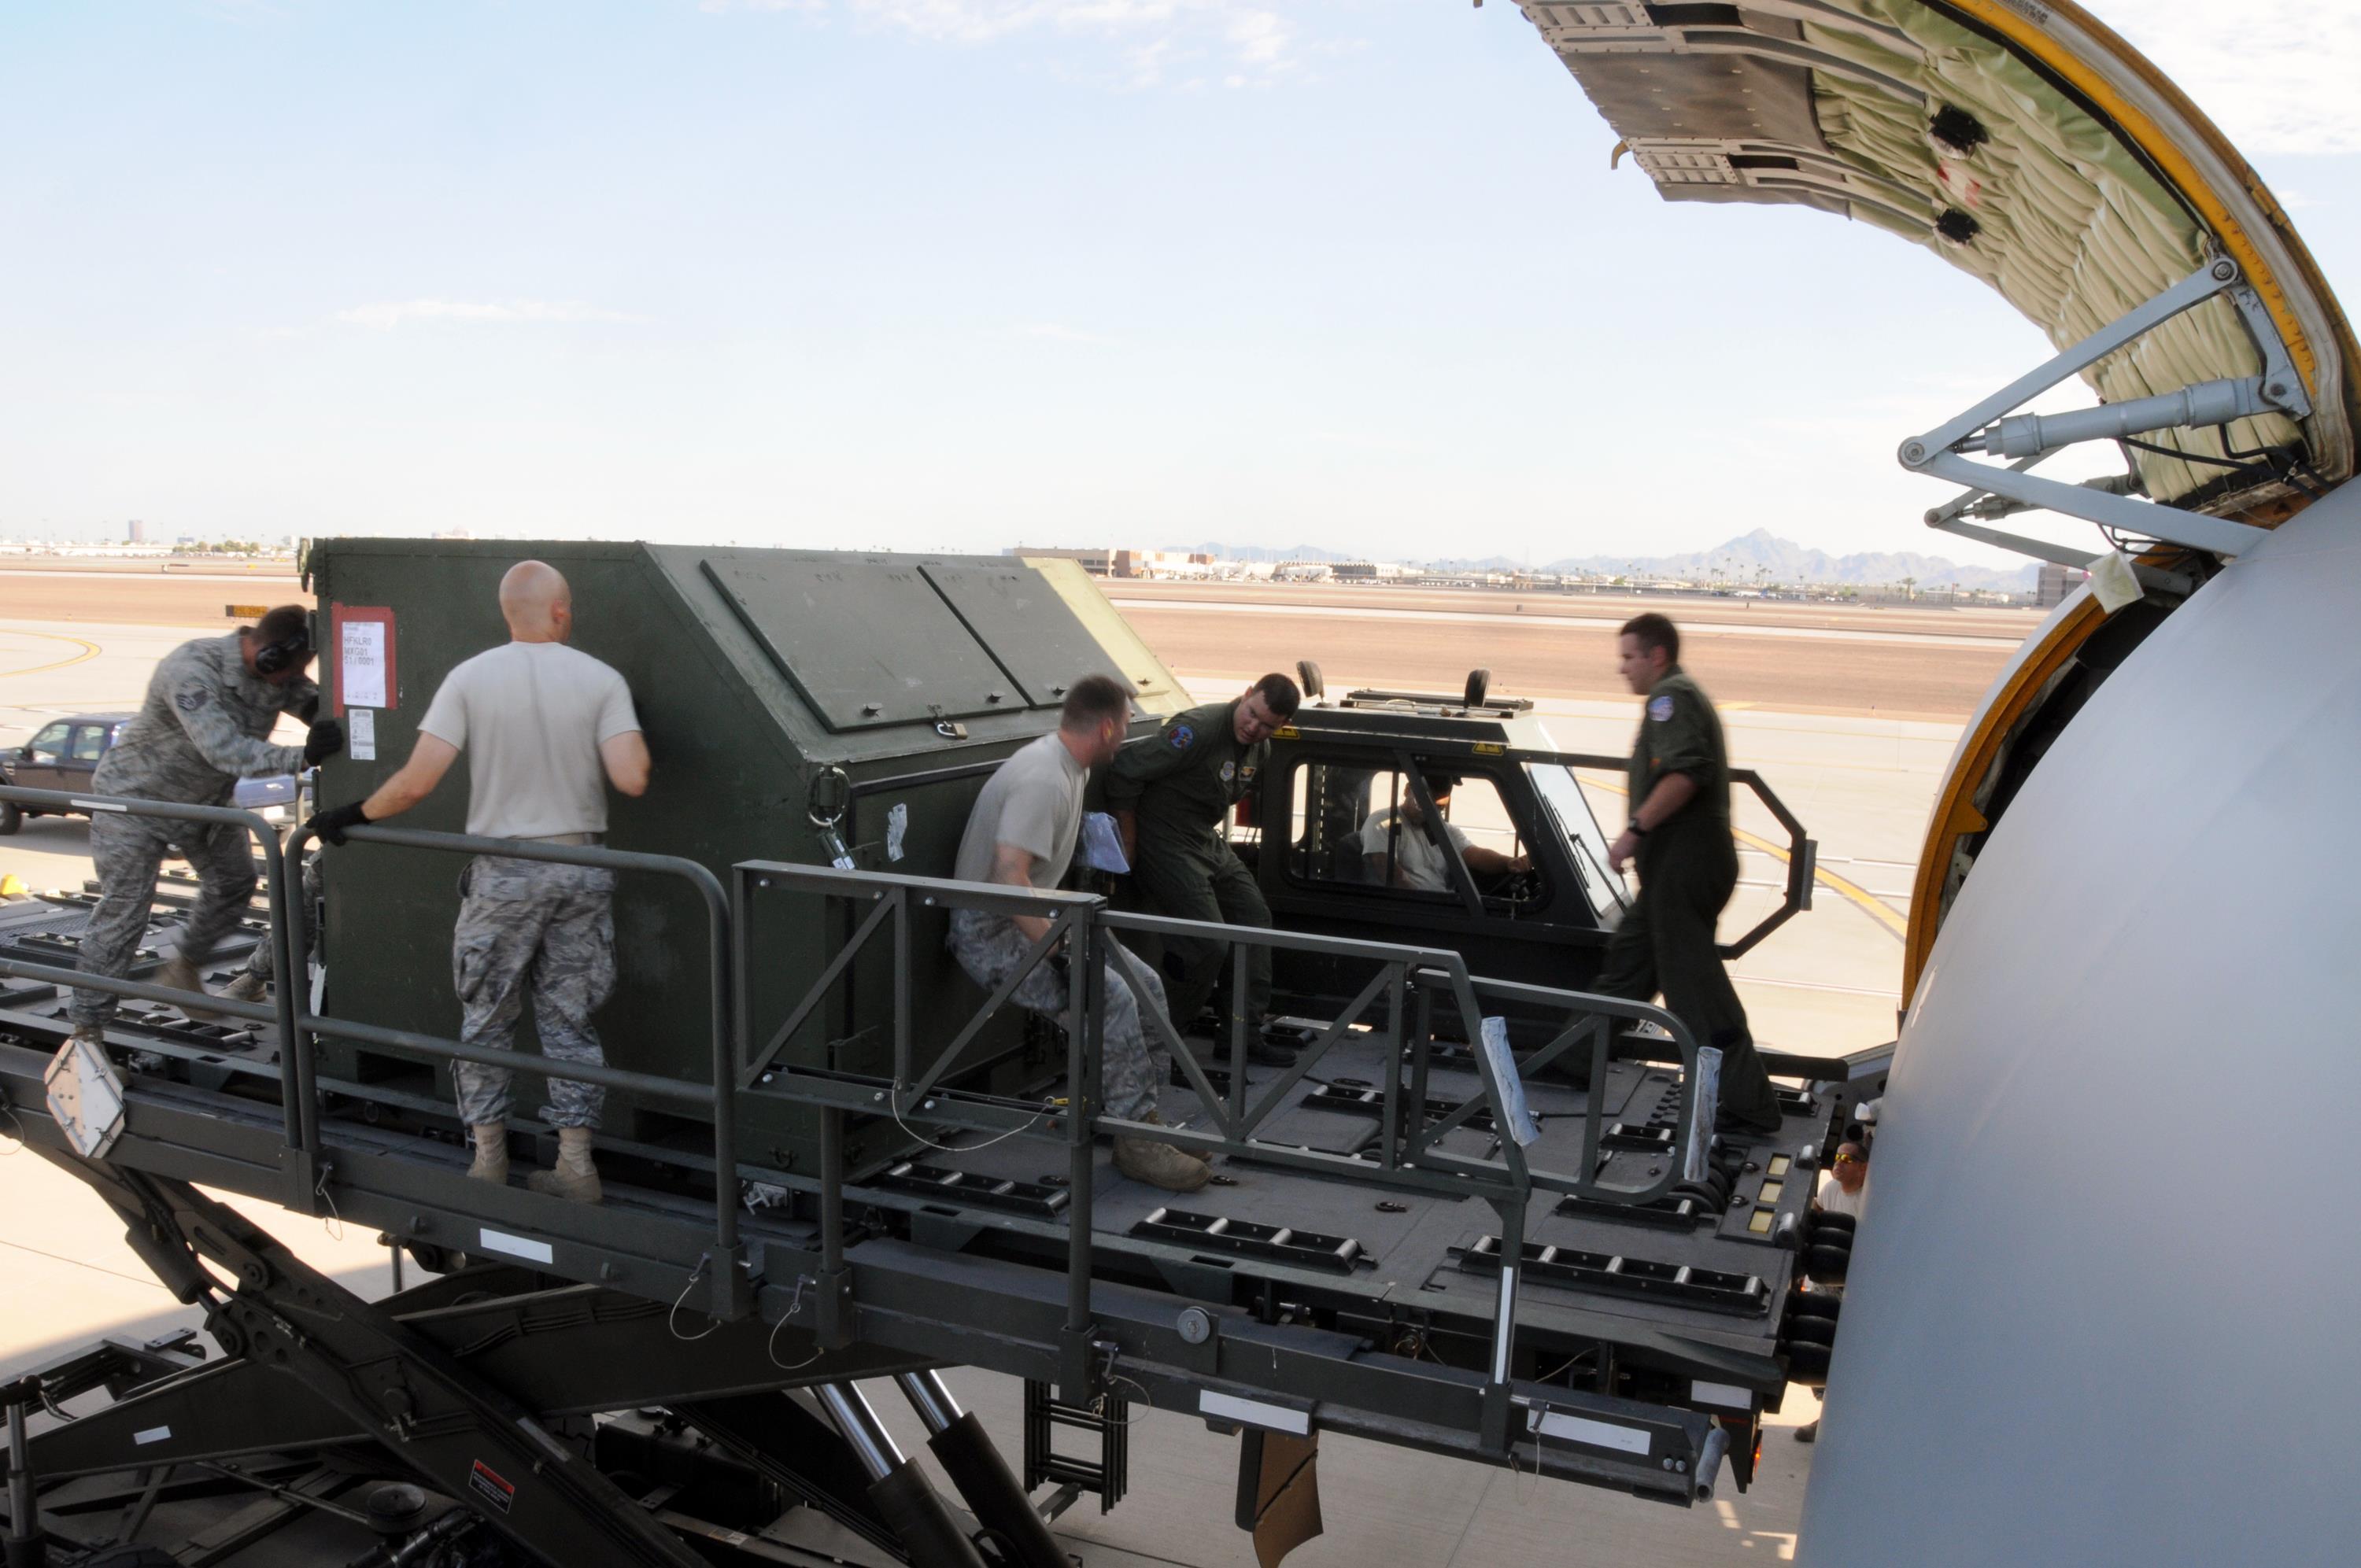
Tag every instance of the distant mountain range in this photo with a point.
(1784, 561)
(1779, 560)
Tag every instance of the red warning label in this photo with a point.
(486, 1483)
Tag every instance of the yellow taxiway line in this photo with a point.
(1884, 914)
(89, 651)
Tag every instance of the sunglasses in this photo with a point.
(1851, 1160)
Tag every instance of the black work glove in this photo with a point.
(331, 824)
(325, 739)
(309, 709)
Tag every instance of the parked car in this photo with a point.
(64, 753)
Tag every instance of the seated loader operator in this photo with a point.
(1171, 796)
(1400, 853)
(546, 727)
(1021, 833)
(200, 729)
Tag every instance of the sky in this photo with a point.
(963, 274)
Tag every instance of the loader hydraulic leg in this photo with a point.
(899, 1489)
(461, 1434)
(983, 1477)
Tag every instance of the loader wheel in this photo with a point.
(1807, 1364)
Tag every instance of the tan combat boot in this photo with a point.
(179, 974)
(248, 987)
(572, 1177)
(1160, 1165)
(1156, 1119)
(492, 1163)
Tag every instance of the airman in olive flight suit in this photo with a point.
(1171, 796)
(1687, 864)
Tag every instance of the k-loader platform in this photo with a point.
(670, 1377)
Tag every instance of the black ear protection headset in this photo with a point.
(270, 658)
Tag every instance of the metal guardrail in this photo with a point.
(274, 876)
(732, 1293)
(1803, 853)
(1405, 978)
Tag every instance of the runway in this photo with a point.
(1904, 664)
(1697, 631)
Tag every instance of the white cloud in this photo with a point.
(1251, 42)
(2277, 75)
(387, 314)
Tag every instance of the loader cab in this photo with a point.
(1422, 816)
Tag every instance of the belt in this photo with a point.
(564, 838)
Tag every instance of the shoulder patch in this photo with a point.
(1181, 737)
(1660, 707)
(1229, 772)
(193, 699)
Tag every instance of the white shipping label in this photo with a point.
(360, 670)
(360, 734)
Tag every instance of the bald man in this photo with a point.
(547, 728)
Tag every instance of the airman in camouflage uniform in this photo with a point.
(546, 729)
(990, 947)
(1021, 833)
(199, 729)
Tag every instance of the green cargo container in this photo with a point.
(772, 685)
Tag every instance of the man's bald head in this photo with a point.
(536, 603)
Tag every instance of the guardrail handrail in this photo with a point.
(1802, 853)
(274, 866)
(732, 1293)
(1083, 921)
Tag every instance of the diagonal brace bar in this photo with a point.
(888, 903)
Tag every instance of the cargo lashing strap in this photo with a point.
(1992, 428)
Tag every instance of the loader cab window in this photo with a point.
(1569, 810)
(1364, 827)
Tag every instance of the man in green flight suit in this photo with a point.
(1169, 797)
(1679, 835)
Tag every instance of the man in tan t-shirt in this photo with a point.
(1021, 833)
(546, 729)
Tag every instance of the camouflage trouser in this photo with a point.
(547, 926)
(261, 963)
(990, 947)
(127, 851)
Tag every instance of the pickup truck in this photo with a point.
(65, 752)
